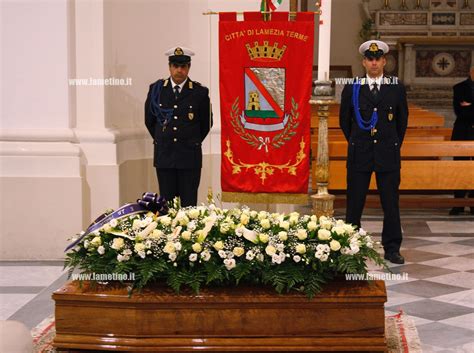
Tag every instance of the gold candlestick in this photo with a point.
(418, 5)
(466, 5)
(386, 5)
(403, 5)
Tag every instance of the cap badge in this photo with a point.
(374, 47)
(178, 51)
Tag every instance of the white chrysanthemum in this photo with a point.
(193, 257)
(222, 254)
(101, 250)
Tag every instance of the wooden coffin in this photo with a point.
(346, 316)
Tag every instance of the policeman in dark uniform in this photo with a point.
(178, 117)
(374, 117)
(463, 129)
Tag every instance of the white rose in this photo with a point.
(324, 257)
(184, 221)
(253, 214)
(314, 218)
(222, 254)
(348, 228)
(165, 220)
(265, 223)
(101, 250)
(260, 257)
(121, 258)
(339, 230)
(193, 213)
(156, 234)
(324, 234)
(293, 219)
(107, 228)
(218, 245)
(238, 251)
(301, 234)
(197, 247)
(262, 215)
(224, 228)
(117, 244)
(362, 232)
(322, 219)
(169, 248)
(312, 225)
(186, 235)
(137, 224)
(280, 247)
(244, 219)
(193, 257)
(335, 245)
(284, 225)
(283, 236)
(296, 258)
(139, 247)
(172, 256)
(327, 224)
(96, 241)
(113, 223)
(370, 244)
(178, 246)
(300, 248)
(263, 237)
(229, 264)
(270, 250)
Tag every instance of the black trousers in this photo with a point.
(463, 193)
(387, 185)
(182, 183)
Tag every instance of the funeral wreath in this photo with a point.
(209, 246)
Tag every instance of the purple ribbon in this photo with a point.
(150, 202)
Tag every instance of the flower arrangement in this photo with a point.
(209, 246)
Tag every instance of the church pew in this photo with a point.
(426, 168)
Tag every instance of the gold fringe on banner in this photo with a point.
(243, 197)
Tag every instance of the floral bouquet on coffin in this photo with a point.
(209, 246)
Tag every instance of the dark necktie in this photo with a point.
(176, 91)
(374, 90)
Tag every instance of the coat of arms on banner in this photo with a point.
(264, 109)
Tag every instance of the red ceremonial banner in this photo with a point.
(265, 86)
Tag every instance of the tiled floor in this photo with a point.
(438, 294)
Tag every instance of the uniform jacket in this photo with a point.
(178, 144)
(464, 125)
(380, 152)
